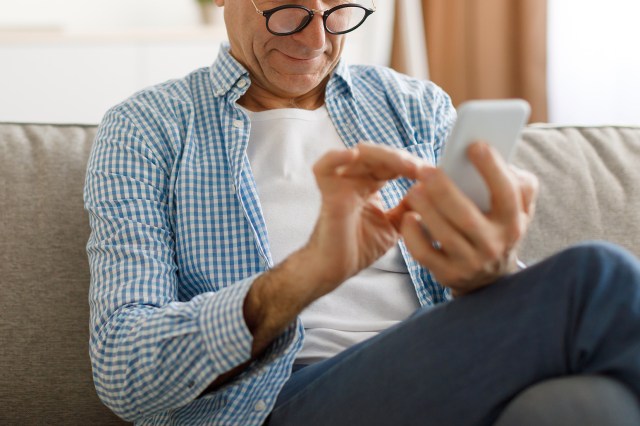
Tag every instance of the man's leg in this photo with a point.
(462, 362)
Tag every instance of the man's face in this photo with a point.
(286, 66)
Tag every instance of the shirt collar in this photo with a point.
(226, 72)
(342, 73)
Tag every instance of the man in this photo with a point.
(218, 267)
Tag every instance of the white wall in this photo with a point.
(80, 14)
(370, 44)
(97, 60)
(594, 61)
(593, 45)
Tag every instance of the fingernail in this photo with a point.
(480, 149)
(426, 174)
(416, 190)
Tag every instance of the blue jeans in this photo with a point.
(462, 362)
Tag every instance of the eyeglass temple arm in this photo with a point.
(260, 12)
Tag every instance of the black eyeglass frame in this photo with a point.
(325, 15)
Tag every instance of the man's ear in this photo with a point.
(219, 3)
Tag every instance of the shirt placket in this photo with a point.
(239, 128)
(344, 114)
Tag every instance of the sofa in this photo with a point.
(590, 189)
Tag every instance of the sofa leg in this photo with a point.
(576, 400)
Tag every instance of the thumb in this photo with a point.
(396, 214)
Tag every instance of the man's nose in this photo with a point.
(313, 35)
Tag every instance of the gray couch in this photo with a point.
(589, 190)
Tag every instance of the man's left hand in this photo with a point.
(464, 248)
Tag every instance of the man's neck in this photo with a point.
(259, 99)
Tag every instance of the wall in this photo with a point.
(371, 44)
(79, 14)
(95, 53)
(594, 61)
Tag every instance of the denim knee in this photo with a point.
(598, 251)
(598, 261)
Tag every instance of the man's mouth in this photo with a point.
(294, 58)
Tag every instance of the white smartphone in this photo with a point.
(496, 122)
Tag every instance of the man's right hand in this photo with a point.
(352, 232)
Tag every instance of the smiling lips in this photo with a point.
(293, 58)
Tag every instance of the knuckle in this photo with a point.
(438, 187)
(475, 265)
(468, 221)
(515, 232)
(418, 254)
(493, 251)
(447, 278)
(418, 193)
(422, 258)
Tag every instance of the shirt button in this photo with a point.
(242, 83)
(260, 406)
(219, 92)
(238, 123)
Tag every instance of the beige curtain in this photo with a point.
(484, 49)
(409, 50)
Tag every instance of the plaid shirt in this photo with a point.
(178, 236)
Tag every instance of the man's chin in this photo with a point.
(294, 86)
(297, 76)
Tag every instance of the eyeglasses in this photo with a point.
(292, 18)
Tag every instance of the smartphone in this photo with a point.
(496, 122)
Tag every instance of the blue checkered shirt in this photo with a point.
(178, 236)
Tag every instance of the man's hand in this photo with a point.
(464, 248)
(353, 230)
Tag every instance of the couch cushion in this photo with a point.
(44, 313)
(589, 186)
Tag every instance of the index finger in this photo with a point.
(382, 163)
(529, 186)
(333, 161)
(505, 201)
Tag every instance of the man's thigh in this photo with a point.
(457, 363)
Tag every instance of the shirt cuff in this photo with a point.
(227, 336)
(225, 332)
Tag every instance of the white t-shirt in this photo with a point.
(284, 145)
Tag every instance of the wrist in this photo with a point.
(279, 295)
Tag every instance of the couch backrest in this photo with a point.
(45, 373)
(589, 186)
(589, 190)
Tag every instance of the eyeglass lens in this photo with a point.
(291, 20)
